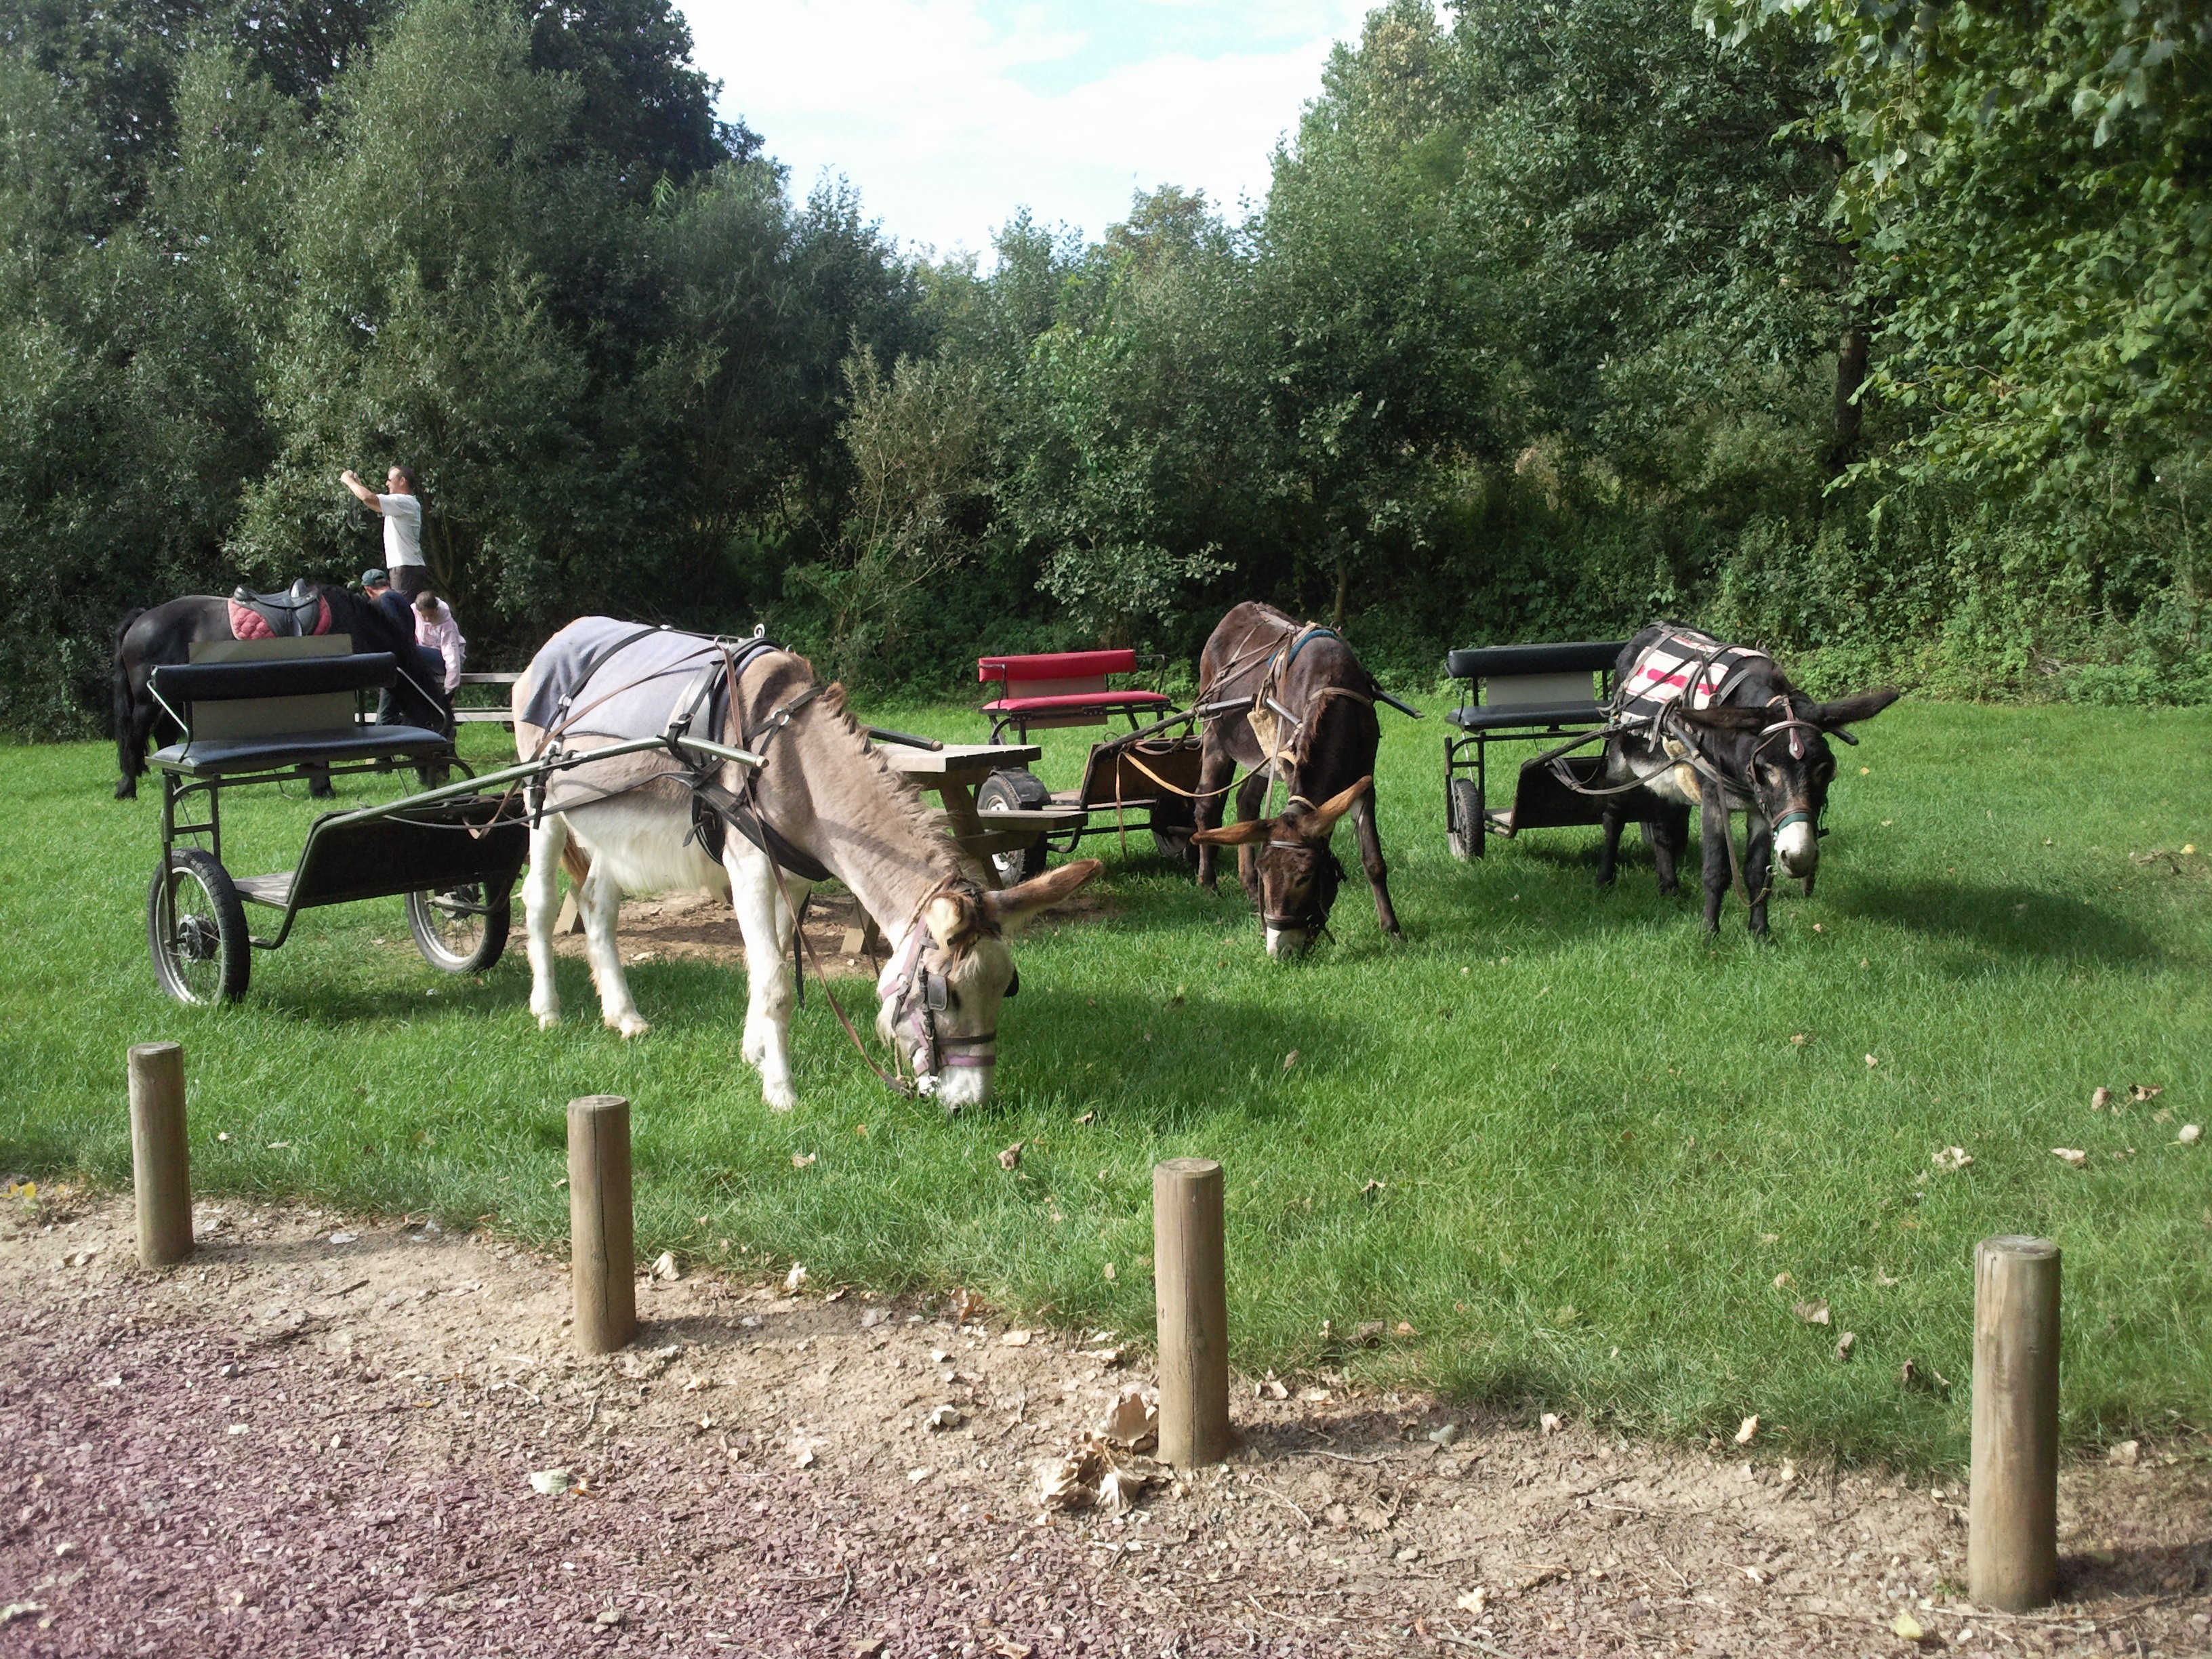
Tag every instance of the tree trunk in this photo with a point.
(1850, 378)
(1343, 586)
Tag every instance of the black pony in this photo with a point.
(145, 639)
(1759, 748)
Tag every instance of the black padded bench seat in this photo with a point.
(1505, 661)
(215, 757)
(1492, 717)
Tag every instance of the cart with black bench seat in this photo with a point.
(1152, 768)
(1529, 694)
(287, 710)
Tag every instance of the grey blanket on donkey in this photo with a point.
(602, 678)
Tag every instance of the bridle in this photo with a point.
(1795, 727)
(1321, 896)
(915, 997)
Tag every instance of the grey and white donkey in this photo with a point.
(828, 793)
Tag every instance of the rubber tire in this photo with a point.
(1017, 787)
(1466, 825)
(234, 951)
(1175, 845)
(498, 920)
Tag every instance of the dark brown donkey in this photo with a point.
(1288, 700)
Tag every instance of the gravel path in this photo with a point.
(294, 1446)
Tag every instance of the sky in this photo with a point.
(949, 115)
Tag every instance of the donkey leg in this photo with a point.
(1251, 796)
(1370, 860)
(1758, 867)
(540, 896)
(1668, 838)
(1216, 767)
(599, 900)
(765, 914)
(1713, 837)
(1608, 853)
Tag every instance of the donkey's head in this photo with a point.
(1298, 875)
(1778, 750)
(941, 989)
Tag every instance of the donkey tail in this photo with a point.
(130, 745)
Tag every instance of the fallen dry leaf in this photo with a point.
(2142, 1092)
(1107, 1272)
(1474, 1600)
(1906, 1628)
(1750, 1427)
(1132, 1419)
(664, 1267)
(1088, 1117)
(794, 1279)
(1290, 1059)
(2073, 1155)
(1953, 1158)
(1406, 1329)
(2190, 1134)
(1871, 1060)
(1843, 1344)
(1550, 1423)
(1269, 1388)
(2099, 1097)
(1014, 1339)
(1118, 1490)
(1369, 1334)
(1010, 1158)
(800, 1160)
(550, 1483)
(1812, 1313)
(2127, 1454)
(1783, 1281)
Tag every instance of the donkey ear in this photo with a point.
(1235, 835)
(1317, 824)
(1013, 909)
(1850, 710)
(1720, 718)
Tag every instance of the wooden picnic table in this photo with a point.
(952, 775)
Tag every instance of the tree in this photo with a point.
(2031, 182)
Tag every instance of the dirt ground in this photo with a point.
(318, 1438)
(695, 928)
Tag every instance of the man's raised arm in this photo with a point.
(351, 480)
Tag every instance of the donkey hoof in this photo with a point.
(630, 1025)
(779, 1096)
(548, 1019)
(127, 789)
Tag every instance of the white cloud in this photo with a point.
(950, 115)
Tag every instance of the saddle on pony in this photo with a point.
(299, 614)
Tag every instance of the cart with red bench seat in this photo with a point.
(1151, 769)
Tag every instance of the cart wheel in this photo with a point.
(197, 927)
(458, 929)
(1015, 787)
(1464, 825)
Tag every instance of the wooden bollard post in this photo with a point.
(602, 1244)
(2012, 1539)
(160, 1162)
(1190, 1277)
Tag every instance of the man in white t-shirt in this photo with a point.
(403, 527)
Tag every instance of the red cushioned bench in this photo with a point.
(1062, 687)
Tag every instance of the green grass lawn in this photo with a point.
(1607, 1169)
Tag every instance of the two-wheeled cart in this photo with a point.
(1151, 769)
(452, 852)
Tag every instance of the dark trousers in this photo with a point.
(408, 580)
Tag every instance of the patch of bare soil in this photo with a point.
(318, 1438)
(693, 927)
